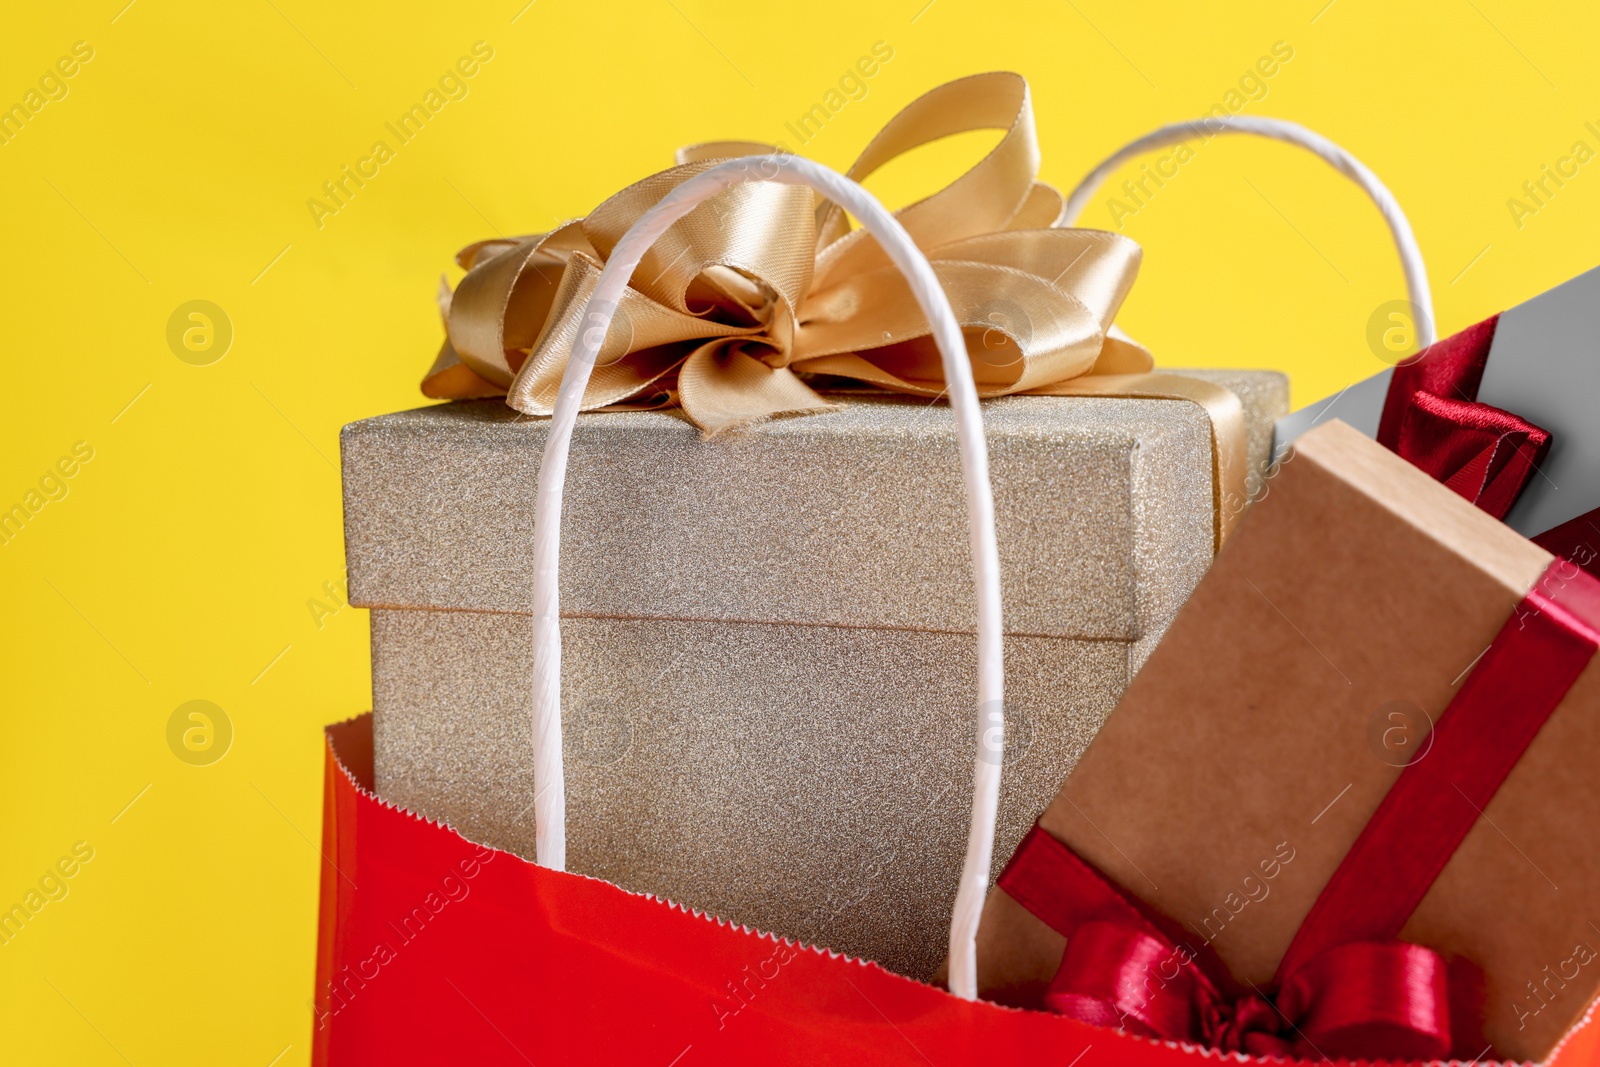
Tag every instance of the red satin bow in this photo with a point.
(1432, 417)
(1124, 968)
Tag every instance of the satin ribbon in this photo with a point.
(1125, 967)
(1432, 417)
(762, 292)
(1346, 986)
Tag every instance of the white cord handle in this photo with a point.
(1280, 130)
(549, 788)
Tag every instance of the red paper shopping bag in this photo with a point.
(433, 949)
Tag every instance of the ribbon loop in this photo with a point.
(1483, 453)
(1371, 998)
(1433, 418)
(983, 200)
(1114, 974)
(762, 229)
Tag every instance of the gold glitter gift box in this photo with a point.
(767, 663)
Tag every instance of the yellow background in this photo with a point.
(178, 167)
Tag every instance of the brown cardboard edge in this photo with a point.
(1429, 507)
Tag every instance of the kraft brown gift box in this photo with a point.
(1357, 587)
(746, 619)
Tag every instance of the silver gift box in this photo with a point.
(768, 657)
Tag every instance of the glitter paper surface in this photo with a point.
(815, 781)
(767, 661)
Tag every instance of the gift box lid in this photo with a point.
(1104, 512)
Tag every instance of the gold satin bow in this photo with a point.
(763, 287)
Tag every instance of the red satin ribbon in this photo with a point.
(1346, 986)
(1433, 418)
(1122, 968)
(1527, 669)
